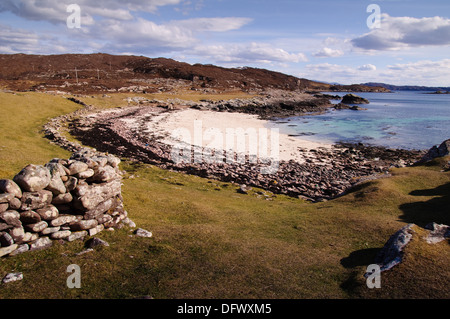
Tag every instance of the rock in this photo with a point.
(33, 178)
(90, 196)
(127, 221)
(56, 185)
(41, 243)
(392, 252)
(15, 204)
(11, 217)
(62, 199)
(354, 99)
(77, 167)
(104, 219)
(94, 242)
(143, 233)
(11, 277)
(17, 234)
(62, 234)
(71, 183)
(28, 237)
(37, 227)
(105, 174)
(63, 219)
(4, 226)
(36, 200)
(101, 208)
(435, 151)
(9, 186)
(83, 224)
(94, 231)
(6, 239)
(48, 213)
(50, 230)
(437, 233)
(77, 235)
(20, 249)
(86, 174)
(243, 189)
(6, 197)
(4, 207)
(7, 250)
(29, 217)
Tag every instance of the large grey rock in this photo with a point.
(48, 212)
(83, 224)
(437, 151)
(33, 178)
(11, 277)
(438, 233)
(77, 235)
(9, 186)
(90, 196)
(20, 249)
(105, 174)
(7, 250)
(62, 234)
(143, 233)
(63, 219)
(77, 167)
(101, 208)
(392, 252)
(36, 200)
(17, 233)
(94, 242)
(354, 99)
(41, 243)
(56, 185)
(11, 217)
(36, 228)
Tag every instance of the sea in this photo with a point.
(411, 120)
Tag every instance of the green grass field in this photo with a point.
(209, 241)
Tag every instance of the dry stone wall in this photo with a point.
(61, 200)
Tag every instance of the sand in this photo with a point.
(226, 131)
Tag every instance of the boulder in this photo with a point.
(77, 167)
(41, 243)
(9, 186)
(83, 224)
(36, 200)
(17, 233)
(63, 219)
(11, 217)
(437, 151)
(90, 196)
(6, 197)
(7, 250)
(354, 99)
(37, 227)
(33, 178)
(48, 213)
(29, 217)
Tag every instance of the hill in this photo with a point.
(406, 87)
(100, 73)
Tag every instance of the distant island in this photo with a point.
(392, 87)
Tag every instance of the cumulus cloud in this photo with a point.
(327, 52)
(398, 33)
(256, 53)
(367, 67)
(212, 24)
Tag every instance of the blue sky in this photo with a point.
(325, 40)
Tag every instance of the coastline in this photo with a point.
(312, 171)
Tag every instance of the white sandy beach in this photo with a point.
(212, 130)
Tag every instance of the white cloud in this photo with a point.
(327, 52)
(212, 24)
(398, 33)
(252, 53)
(367, 67)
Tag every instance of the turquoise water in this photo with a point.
(402, 119)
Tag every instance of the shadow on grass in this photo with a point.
(434, 210)
(358, 258)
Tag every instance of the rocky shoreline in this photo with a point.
(324, 174)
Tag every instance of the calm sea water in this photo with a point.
(402, 119)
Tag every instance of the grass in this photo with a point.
(209, 241)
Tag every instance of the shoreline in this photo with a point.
(320, 173)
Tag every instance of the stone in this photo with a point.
(36, 200)
(437, 151)
(94, 231)
(15, 203)
(7, 250)
(90, 196)
(56, 185)
(6, 197)
(37, 227)
(4, 226)
(56, 167)
(9, 186)
(33, 178)
(4, 207)
(143, 233)
(11, 217)
(50, 230)
(6, 239)
(29, 217)
(62, 199)
(83, 224)
(28, 237)
(354, 99)
(86, 174)
(71, 183)
(127, 221)
(41, 243)
(77, 167)
(94, 242)
(112, 160)
(77, 235)
(20, 249)
(104, 219)
(11, 277)
(48, 213)
(438, 233)
(63, 219)
(101, 208)
(17, 234)
(62, 234)
(105, 174)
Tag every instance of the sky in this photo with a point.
(401, 42)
